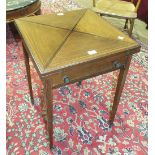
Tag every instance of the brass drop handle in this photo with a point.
(66, 79)
(118, 65)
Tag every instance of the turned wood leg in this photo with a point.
(49, 108)
(28, 73)
(119, 88)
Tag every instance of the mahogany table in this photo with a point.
(71, 46)
(21, 8)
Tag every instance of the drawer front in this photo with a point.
(87, 70)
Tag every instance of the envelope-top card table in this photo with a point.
(71, 46)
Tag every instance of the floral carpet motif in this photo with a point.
(80, 111)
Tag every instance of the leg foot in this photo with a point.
(79, 83)
(111, 124)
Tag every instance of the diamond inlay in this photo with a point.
(59, 40)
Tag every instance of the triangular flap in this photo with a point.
(81, 47)
(65, 20)
(99, 28)
(42, 41)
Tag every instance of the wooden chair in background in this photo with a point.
(119, 9)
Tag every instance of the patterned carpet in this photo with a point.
(80, 112)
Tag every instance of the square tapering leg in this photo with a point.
(119, 88)
(49, 108)
(28, 74)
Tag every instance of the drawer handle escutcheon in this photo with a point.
(66, 79)
(118, 65)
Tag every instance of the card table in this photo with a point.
(72, 46)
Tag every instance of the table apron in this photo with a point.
(86, 70)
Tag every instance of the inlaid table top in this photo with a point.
(61, 40)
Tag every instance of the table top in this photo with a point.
(61, 40)
(17, 4)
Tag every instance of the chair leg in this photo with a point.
(126, 24)
(131, 27)
(38, 12)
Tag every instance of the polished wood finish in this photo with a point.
(28, 74)
(66, 47)
(28, 10)
(119, 9)
(66, 52)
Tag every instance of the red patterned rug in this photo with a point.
(80, 112)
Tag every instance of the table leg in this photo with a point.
(49, 108)
(119, 88)
(28, 73)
